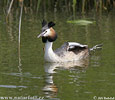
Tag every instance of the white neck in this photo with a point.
(50, 56)
(48, 46)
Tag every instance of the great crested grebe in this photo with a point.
(69, 51)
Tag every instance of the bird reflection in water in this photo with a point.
(50, 89)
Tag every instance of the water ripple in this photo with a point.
(12, 86)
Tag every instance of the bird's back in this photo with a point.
(71, 51)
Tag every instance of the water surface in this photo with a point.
(34, 77)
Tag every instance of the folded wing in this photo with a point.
(70, 47)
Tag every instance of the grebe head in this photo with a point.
(48, 33)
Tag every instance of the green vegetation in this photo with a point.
(67, 6)
(80, 22)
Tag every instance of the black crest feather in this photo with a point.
(44, 23)
(51, 24)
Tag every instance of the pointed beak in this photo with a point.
(40, 35)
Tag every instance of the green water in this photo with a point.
(33, 77)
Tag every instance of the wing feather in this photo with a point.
(70, 46)
(73, 46)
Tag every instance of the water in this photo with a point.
(91, 80)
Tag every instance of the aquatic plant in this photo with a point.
(74, 6)
(81, 22)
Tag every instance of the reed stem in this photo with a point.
(38, 5)
(83, 6)
(20, 20)
(74, 6)
(11, 3)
